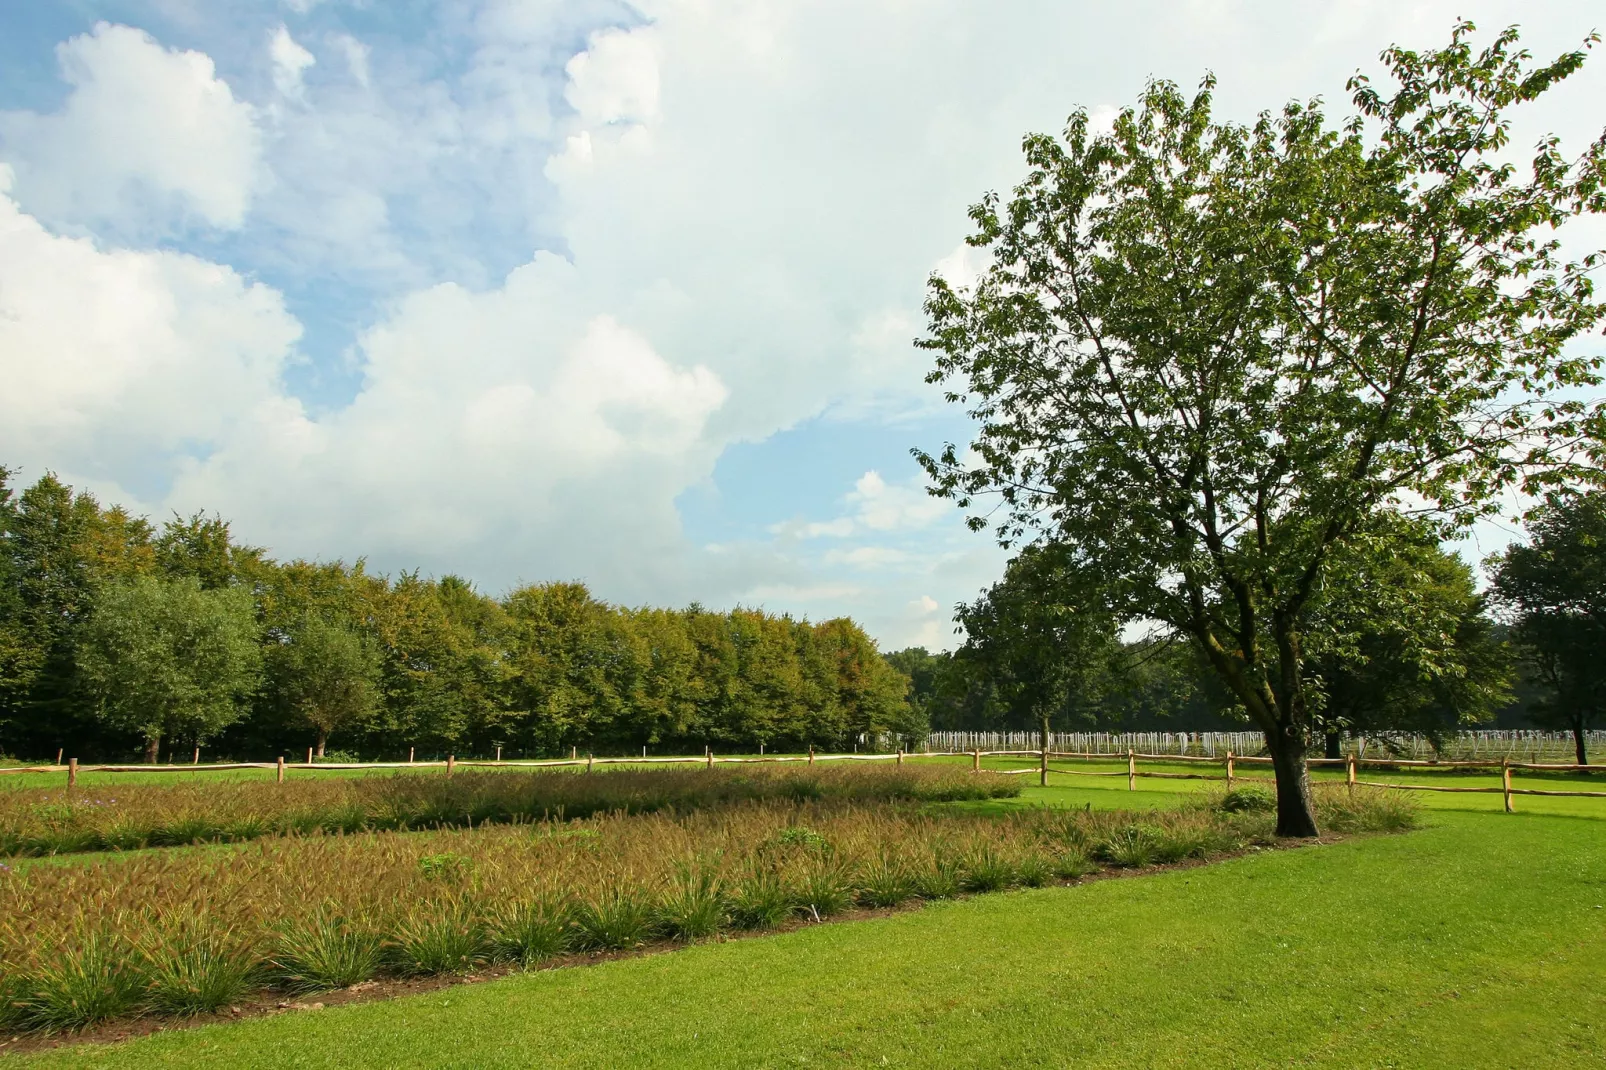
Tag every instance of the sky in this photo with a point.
(531, 290)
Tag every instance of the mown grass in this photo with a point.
(175, 934)
(1475, 942)
(138, 816)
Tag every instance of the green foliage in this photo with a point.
(761, 899)
(1207, 357)
(1249, 800)
(197, 967)
(169, 658)
(1555, 589)
(94, 977)
(695, 907)
(383, 665)
(530, 932)
(440, 937)
(617, 918)
(327, 951)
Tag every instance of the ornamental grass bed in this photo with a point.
(36, 822)
(192, 932)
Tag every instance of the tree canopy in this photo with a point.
(1555, 589)
(1208, 356)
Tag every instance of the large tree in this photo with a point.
(1208, 356)
(166, 658)
(1555, 588)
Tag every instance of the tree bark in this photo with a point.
(1579, 745)
(1042, 732)
(1296, 810)
(153, 746)
(323, 737)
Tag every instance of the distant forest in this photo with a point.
(119, 639)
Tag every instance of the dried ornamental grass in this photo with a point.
(34, 822)
(181, 933)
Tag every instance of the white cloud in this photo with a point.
(884, 506)
(290, 62)
(116, 361)
(147, 137)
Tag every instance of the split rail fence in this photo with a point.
(1044, 757)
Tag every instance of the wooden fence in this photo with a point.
(1045, 759)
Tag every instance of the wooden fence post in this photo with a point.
(1131, 770)
(279, 779)
(975, 761)
(499, 754)
(59, 752)
(708, 753)
(197, 759)
(900, 756)
(811, 754)
(72, 772)
(1505, 783)
(574, 754)
(590, 757)
(451, 763)
(410, 752)
(1349, 774)
(1229, 770)
(309, 755)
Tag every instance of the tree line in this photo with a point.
(1403, 643)
(119, 638)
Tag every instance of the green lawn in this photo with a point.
(1477, 941)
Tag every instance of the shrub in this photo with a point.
(327, 951)
(1248, 800)
(1071, 862)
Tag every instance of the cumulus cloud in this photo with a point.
(148, 137)
(116, 363)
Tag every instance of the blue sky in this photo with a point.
(535, 289)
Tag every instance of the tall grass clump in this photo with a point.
(196, 967)
(326, 951)
(184, 933)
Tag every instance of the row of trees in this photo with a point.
(116, 636)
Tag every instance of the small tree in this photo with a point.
(1041, 637)
(1209, 356)
(1400, 643)
(327, 672)
(166, 659)
(1556, 589)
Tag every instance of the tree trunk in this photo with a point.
(152, 749)
(323, 737)
(1296, 811)
(1335, 742)
(1042, 733)
(1578, 741)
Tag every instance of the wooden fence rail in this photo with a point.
(1045, 765)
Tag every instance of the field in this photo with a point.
(1474, 941)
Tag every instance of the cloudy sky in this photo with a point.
(553, 289)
